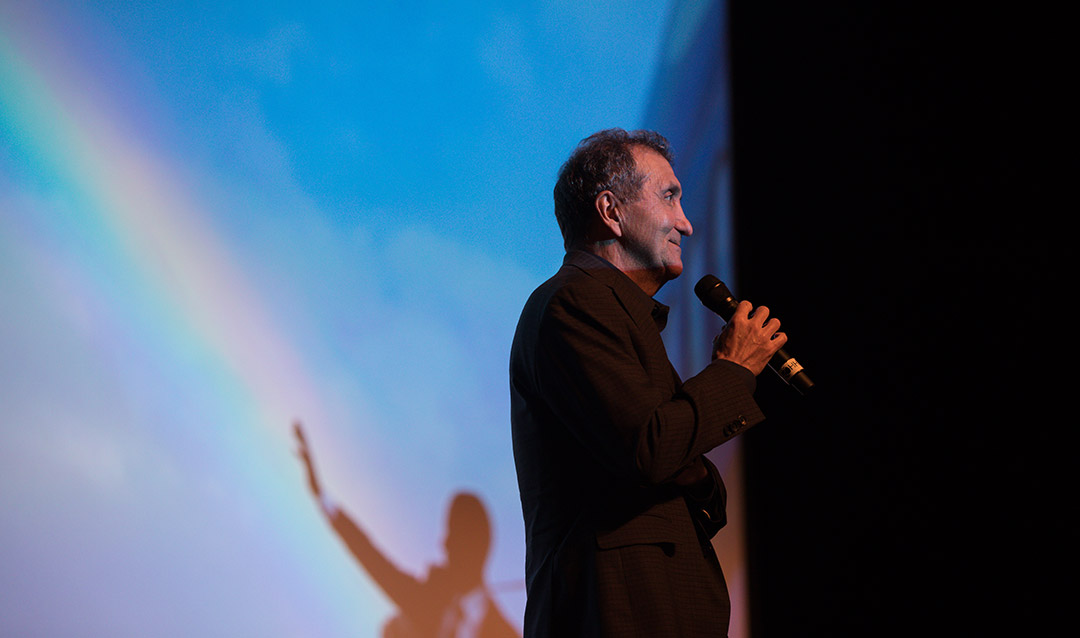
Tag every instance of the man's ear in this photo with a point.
(609, 212)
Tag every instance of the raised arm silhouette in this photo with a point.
(452, 601)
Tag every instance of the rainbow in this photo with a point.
(118, 219)
(130, 197)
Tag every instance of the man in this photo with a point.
(619, 500)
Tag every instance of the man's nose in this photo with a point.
(683, 225)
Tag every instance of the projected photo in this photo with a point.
(260, 270)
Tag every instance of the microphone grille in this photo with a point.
(707, 284)
(715, 295)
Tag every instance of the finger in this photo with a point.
(742, 311)
(760, 315)
(771, 326)
(778, 340)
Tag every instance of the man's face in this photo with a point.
(654, 224)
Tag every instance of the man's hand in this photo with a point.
(750, 338)
(691, 475)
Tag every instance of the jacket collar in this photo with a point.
(633, 298)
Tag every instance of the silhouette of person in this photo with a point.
(452, 601)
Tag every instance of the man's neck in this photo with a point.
(648, 280)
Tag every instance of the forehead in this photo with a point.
(654, 167)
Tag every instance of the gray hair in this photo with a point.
(603, 161)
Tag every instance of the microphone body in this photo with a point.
(715, 295)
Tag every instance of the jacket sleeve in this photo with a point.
(609, 381)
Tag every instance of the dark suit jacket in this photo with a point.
(602, 426)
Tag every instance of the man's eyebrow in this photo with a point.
(674, 189)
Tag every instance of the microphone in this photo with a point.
(715, 295)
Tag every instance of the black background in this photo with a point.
(893, 171)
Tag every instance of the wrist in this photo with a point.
(329, 508)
